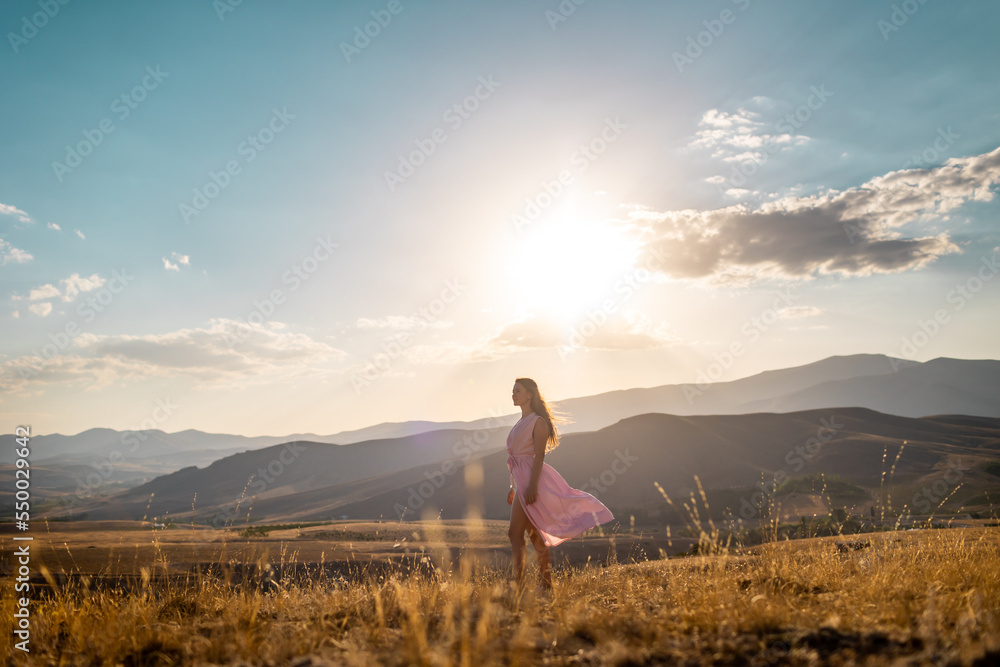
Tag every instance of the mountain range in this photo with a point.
(733, 457)
(352, 465)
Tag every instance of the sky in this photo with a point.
(267, 218)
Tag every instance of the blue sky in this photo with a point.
(280, 224)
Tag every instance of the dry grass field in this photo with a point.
(920, 597)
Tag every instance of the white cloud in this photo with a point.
(853, 232)
(71, 287)
(399, 322)
(210, 347)
(6, 209)
(79, 233)
(16, 314)
(9, 253)
(450, 353)
(41, 309)
(226, 353)
(179, 259)
(28, 375)
(628, 331)
(621, 331)
(43, 292)
(794, 312)
(75, 284)
(740, 136)
(54, 226)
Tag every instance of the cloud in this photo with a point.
(224, 353)
(853, 232)
(625, 331)
(450, 353)
(41, 309)
(79, 233)
(6, 209)
(533, 331)
(619, 331)
(54, 226)
(794, 312)
(631, 331)
(75, 284)
(208, 349)
(72, 286)
(43, 292)
(179, 259)
(9, 253)
(28, 375)
(747, 138)
(399, 322)
(740, 136)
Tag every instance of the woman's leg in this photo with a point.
(518, 524)
(543, 555)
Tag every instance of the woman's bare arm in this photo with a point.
(539, 436)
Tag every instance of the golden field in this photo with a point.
(910, 597)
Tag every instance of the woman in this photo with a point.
(547, 507)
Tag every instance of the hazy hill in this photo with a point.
(878, 382)
(287, 469)
(619, 464)
(938, 386)
(732, 452)
(153, 447)
(599, 410)
(875, 381)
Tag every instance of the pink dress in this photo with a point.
(559, 512)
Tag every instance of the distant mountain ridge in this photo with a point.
(938, 386)
(622, 464)
(878, 382)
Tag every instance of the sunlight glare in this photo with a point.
(570, 262)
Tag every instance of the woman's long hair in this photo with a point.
(541, 408)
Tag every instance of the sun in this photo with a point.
(568, 262)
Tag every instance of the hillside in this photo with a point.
(878, 382)
(284, 470)
(620, 464)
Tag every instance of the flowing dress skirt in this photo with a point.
(559, 512)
